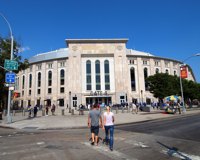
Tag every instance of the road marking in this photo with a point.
(40, 143)
(19, 151)
(22, 145)
(138, 144)
(119, 138)
(42, 155)
(180, 155)
(111, 154)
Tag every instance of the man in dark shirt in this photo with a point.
(93, 123)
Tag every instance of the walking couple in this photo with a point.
(94, 117)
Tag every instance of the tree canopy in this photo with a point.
(163, 84)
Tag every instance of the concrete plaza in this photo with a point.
(59, 121)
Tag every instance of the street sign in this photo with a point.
(10, 77)
(11, 65)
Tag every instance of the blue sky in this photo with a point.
(166, 28)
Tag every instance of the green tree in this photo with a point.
(191, 90)
(162, 85)
(5, 50)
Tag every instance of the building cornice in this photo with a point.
(75, 41)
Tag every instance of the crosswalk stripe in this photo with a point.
(19, 151)
(180, 155)
(22, 145)
(42, 155)
(136, 143)
(106, 151)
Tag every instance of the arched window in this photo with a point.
(23, 82)
(107, 75)
(49, 78)
(174, 73)
(30, 80)
(157, 70)
(132, 75)
(62, 77)
(145, 77)
(88, 76)
(97, 75)
(167, 71)
(39, 79)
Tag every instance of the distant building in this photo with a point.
(91, 71)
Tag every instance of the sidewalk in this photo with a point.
(80, 121)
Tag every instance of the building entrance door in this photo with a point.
(99, 100)
(122, 99)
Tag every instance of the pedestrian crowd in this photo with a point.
(32, 111)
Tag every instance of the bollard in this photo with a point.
(43, 112)
(123, 110)
(13, 112)
(5, 112)
(63, 112)
(72, 111)
(128, 110)
(1, 117)
(23, 112)
(116, 110)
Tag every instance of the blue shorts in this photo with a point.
(95, 130)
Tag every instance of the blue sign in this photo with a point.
(10, 77)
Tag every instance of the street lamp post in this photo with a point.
(9, 120)
(181, 85)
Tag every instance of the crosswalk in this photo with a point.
(106, 151)
(124, 149)
(117, 155)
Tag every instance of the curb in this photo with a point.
(7, 127)
(119, 124)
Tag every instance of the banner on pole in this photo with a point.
(184, 72)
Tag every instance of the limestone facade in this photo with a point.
(61, 77)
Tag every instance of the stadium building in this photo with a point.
(91, 71)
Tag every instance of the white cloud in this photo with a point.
(23, 49)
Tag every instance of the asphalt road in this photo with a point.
(176, 138)
(183, 127)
